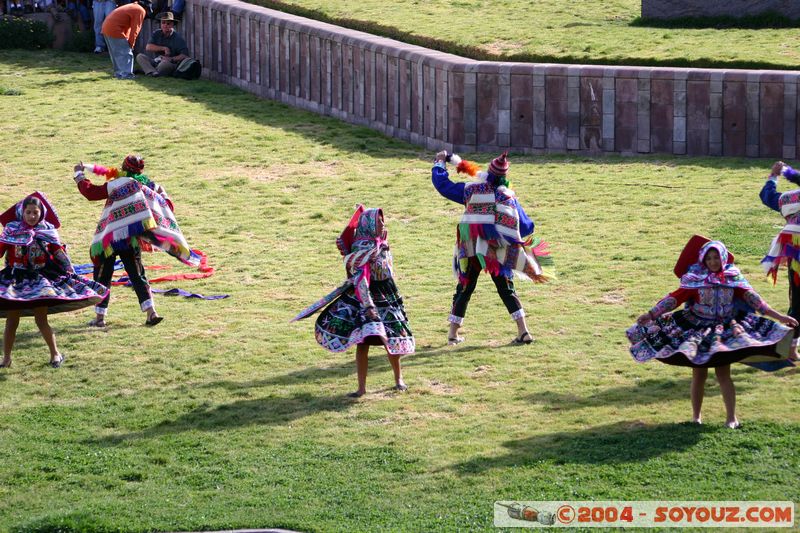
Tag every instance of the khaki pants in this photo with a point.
(164, 68)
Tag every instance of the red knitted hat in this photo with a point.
(133, 163)
(499, 165)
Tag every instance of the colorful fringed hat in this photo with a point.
(133, 164)
(690, 253)
(499, 165)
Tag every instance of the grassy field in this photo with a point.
(582, 31)
(227, 416)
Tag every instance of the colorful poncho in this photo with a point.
(785, 247)
(489, 231)
(135, 215)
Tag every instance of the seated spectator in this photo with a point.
(166, 49)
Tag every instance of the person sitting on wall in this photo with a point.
(166, 48)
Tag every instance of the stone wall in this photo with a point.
(440, 100)
(671, 9)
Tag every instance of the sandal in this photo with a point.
(737, 425)
(56, 363)
(452, 341)
(525, 338)
(94, 323)
(400, 387)
(355, 394)
(153, 321)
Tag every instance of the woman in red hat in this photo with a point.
(38, 278)
(495, 235)
(367, 309)
(718, 325)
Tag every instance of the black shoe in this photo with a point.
(154, 321)
(525, 338)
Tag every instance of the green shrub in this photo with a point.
(24, 33)
(81, 41)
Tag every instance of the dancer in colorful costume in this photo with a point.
(38, 278)
(495, 234)
(717, 326)
(137, 216)
(367, 309)
(785, 247)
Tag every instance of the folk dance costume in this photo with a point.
(717, 326)
(38, 271)
(367, 308)
(785, 247)
(494, 234)
(138, 215)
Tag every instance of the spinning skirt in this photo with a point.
(681, 338)
(345, 323)
(23, 290)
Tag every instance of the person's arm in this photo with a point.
(440, 178)
(136, 26)
(87, 189)
(526, 225)
(754, 300)
(60, 257)
(668, 303)
(180, 49)
(156, 48)
(769, 194)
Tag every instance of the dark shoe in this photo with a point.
(737, 425)
(154, 321)
(94, 323)
(452, 341)
(525, 338)
(56, 363)
(400, 387)
(355, 394)
(5, 365)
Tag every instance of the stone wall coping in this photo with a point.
(451, 62)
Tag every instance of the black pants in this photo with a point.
(132, 261)
(794, 298)
(505, 288)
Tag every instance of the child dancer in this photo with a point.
(367, 309)
(489, 237)
(785, 247)
(138, 215)
(38, 278)
(711, 330)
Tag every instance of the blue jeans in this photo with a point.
(178, 6)
(100, 10)
(121, 57)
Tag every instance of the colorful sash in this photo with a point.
(135, 215)
(785, 247)
(489, 231)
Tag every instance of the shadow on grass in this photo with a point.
(644, 393)
(268, 411)
(622, 442)
(377, 362)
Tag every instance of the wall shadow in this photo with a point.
(84, 70)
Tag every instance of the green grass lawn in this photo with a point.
(228, 416)
(578, 31)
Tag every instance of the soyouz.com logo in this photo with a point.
(759, 514)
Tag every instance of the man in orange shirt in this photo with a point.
(120, 30)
